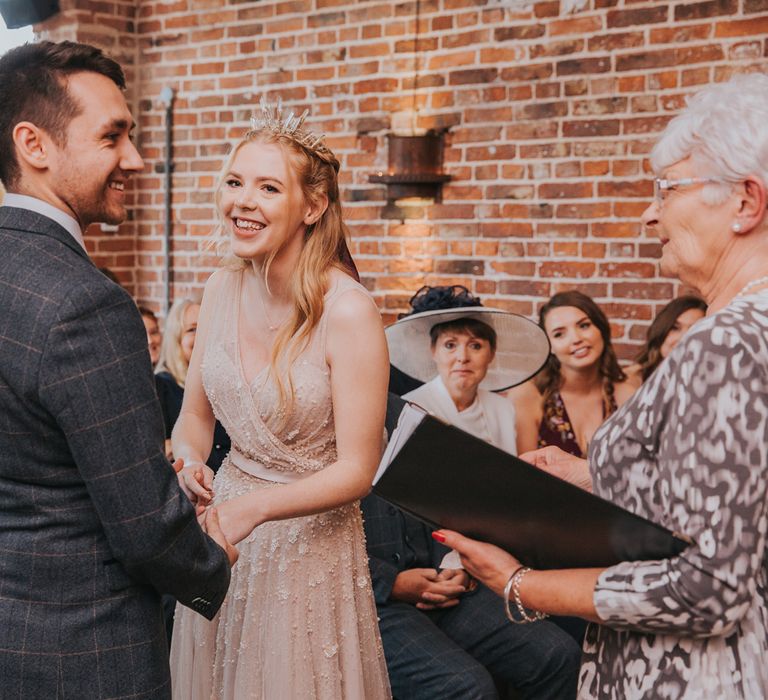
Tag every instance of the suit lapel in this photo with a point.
(31, 222)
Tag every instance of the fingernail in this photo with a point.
(439, 536)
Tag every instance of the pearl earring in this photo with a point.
(736, 227)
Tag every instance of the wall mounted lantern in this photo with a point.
(415, 167)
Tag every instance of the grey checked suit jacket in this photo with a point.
(93, 525)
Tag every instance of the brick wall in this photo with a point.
(551, 108)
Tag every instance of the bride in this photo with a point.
(291, 359)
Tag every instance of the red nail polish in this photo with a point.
(439, 536)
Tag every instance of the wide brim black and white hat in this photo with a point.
(522, 347)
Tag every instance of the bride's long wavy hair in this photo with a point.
(324, 248)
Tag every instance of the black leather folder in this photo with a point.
(449, 478)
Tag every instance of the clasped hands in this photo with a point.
(430, 589)
(196, 481)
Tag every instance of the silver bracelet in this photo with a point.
(513, 585)
(507, 591)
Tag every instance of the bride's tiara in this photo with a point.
(272, 118)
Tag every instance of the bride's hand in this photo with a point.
(561, 464)
(196, 481)
(239, 516)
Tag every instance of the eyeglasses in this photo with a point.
(662, 186)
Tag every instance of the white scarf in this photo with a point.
(490, 417)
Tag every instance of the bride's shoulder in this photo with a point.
(347, 298)
(221, 278)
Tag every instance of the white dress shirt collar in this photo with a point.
(23, 201)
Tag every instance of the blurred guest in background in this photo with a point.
(171, 374)
(154, 337)
(669, 326)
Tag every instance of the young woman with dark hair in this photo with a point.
(669, 326)
(581, 384)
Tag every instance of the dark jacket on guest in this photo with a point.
(171, 395)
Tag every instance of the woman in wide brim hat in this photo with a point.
(464, 352)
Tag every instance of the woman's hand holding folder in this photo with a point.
(561, 464)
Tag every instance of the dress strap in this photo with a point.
(339, 286)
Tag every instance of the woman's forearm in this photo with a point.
(341, 482)
(557, 592)
(192, 437)
(562, 592)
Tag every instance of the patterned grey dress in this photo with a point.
(690, 451)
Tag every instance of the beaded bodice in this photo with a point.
(303, 440)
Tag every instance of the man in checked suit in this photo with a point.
(444, 637)
(93, 524)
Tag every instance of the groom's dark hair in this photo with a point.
(33, 88)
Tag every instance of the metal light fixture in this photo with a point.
(415, 167)
(415, 160)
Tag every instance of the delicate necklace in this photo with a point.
(271, 325)
(751, 285)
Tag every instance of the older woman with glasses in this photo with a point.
(690, 448)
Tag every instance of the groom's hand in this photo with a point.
(212, 526)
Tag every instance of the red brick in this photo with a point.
(542, 110)
(593, 250)
(645, 125)
(565, 190)
(583, 211)
(476, 75)
(632, 270)
(556, 48)
(680, 34)
(615, 40)
(532, 72)
(583, 66)
(532, 130)
(452, 41)
(509, 192)
(549, 8)
(645, 290)
(645, 15)
(568, 169)
(552, 229)
(592, 127)
(376, 85)
(576, 25)
(705, 10)
(622, 229)
(580, 270)
(457, 58)
(525, 31)
(663, 81)
(754, 26)
(516, 268)
(568, 249)
(608, 105)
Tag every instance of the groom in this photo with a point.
(93, 525)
